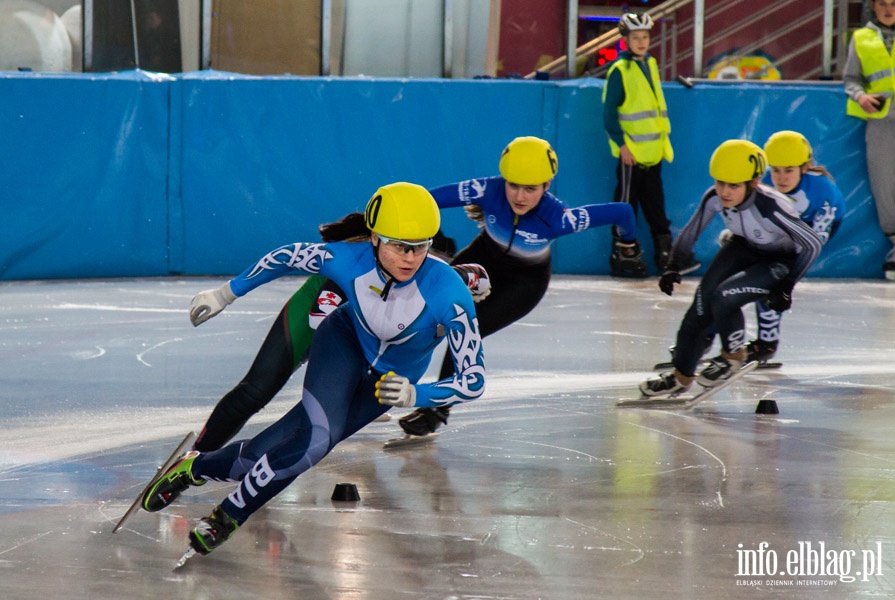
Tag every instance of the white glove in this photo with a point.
(724, 237)
(477, 280)
(209, 303)
(395, 390)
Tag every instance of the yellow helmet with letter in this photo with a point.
(736, 161)
(403, 211)
(787, 149)
(528, 160)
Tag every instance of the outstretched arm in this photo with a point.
(291, 259)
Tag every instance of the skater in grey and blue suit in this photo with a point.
(769, 250)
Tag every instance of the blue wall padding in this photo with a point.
(138, 174)
(84, 176)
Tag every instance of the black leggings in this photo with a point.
(282, 352)
(517, 287)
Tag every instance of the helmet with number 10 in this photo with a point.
(403, 211)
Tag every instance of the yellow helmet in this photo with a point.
(736, 161)
(787, 149)
(403, 211)
(528, 161)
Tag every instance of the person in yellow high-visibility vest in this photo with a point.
(869, 78)
(635, 117)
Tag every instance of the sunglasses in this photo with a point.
(402, 246)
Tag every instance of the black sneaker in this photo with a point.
(212, 531)
(665, 384)
(718, 370)
(760, 351)
(423, 421)
(171, 484)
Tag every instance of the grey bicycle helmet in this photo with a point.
(634, 22)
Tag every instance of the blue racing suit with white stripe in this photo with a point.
(374, 332)
(771, 248)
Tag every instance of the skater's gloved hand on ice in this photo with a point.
(780, 298)
(395, 390)
(477, 280)
(667, 281)
(209, 303)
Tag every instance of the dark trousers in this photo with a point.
(642, 187)
(738, 275)
(516, 288)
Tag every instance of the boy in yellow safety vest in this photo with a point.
(635, 117)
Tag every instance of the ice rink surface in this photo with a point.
(542, 489)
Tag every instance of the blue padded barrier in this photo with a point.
(139, 174)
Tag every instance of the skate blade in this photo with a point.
(688, 401)
(409, 440)
(190, 552)
(135, 505)
(647, 402)
(383, 418)
(761, 365)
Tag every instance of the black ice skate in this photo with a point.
(665, 384)
(163, 468)
(662, 251)
(626, 260)
(419, 427)
(681, 399)
(760, 351)
(171, 484)
(424, 421)
(212, 531)
(889, 265)
(718, 370)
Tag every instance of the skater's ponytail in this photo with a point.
(352, 227)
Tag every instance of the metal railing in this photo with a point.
(832, 17)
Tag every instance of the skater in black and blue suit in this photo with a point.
(520, 219)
